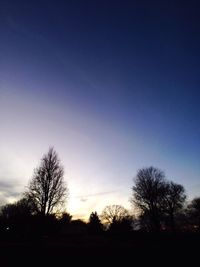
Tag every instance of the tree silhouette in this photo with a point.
(65, 218)
(114, 213)
(148, 193)
(94, 225)
(123, 226)
(16, 217)
(78, 227)
(173, 201)
(194, 212)
(21, 208)
(47, 188)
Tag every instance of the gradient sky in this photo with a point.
(112, 85)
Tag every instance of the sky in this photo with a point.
(112, 85)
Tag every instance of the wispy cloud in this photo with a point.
(9, 190)
(84, 198)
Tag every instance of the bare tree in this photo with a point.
(16, 218)
(47, 188)
(114, 213)
(21, 208)
(173, 201)
(147, 194)
(193, 211)
(94, 225)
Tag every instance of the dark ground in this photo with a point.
(156, 250)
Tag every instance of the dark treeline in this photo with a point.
(159, 206)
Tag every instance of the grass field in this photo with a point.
(102, 250)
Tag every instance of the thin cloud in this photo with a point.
(8, 190)
(84, 198)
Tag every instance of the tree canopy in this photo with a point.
(47, 188)
(156, 198)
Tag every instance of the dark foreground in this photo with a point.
(165, 249)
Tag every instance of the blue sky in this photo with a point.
(112, 85)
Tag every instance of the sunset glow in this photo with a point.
(112, 88)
